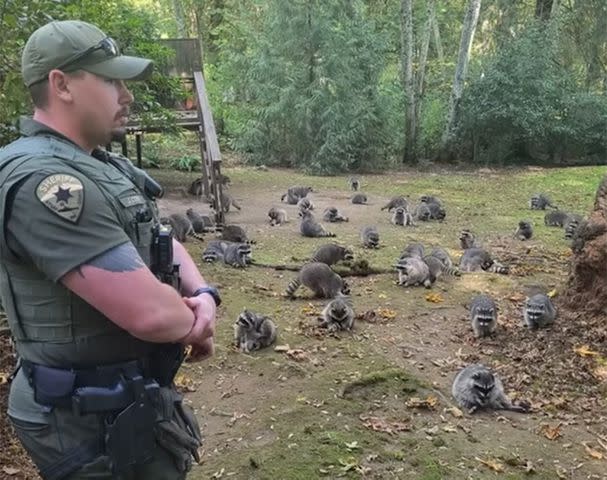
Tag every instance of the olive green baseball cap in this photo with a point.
(70, 45)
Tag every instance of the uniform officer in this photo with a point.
(98, 335)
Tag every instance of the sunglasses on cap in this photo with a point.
(108, 45)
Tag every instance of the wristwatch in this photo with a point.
(211, 291)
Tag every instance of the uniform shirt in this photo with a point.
(51, 243)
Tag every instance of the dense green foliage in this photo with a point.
(133, 27)
(317, 85)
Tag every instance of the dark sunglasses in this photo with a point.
(108, 45)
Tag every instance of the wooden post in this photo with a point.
(209, 147)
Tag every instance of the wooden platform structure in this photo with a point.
(187, 66)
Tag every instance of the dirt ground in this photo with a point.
(376, 403)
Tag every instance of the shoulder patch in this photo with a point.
(63, 195)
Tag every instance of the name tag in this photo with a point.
(131, 200)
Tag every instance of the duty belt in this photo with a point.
(100, 389)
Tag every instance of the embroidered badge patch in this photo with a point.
(62, 194)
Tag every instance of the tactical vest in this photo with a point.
(51, 325)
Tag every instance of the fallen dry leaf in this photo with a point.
(386, 313)
(492, 464)
(297, 354)
(310, 310)
(414, 402)
(434, 298)
(378, 424)
(185, 382)
(600, 372)
(369, 316)
(550, 432)
(282, 348)
(584, 351)
(456, 412)
(593, 453)
(3, 378)
(552, 293)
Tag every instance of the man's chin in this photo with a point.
(118, 134)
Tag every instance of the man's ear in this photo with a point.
(59, 86)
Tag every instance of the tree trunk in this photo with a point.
(179, 19)
(436, 34)
(543, 8)
(407, 75)
(470, 21)
(421, 68)
(586, 291)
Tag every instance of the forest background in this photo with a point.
(361, 85)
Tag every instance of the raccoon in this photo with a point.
(443, 256)
(253, 331)
(430, 199)
(234, 233)
(415, 250)
(483, 316)
(524, 231)
(200, 223)
(571, 223)
(338, 314)
(540, 201)
(290, 198)
(467, 239)
(195, 187)
(300, 191)
(319, 278)
(182, 227)
(539, 311)
(331, 253)
(305, 204)
(309, 227)
(475, 259)
(401, 217)
(437, 212)
(437, 268)
(369, 237)
(227, 201)
(333, 215)
(354, 183)
(571, 228)
(556, 218)
(237, 255)
(359, 199)
(278, 216)
(422, 212)
(414, 271)
(396, 202)
(477, 388)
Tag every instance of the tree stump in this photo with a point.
(586, 291)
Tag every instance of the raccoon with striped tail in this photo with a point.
(333, 215)
(253, 331)
(182, 227)
(319, 278)
(309, 227)
(332, 253)
(478, 388)
(200, 223)
(338, 314)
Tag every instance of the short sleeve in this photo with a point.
(56, 238)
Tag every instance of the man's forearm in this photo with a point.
(191, 279)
